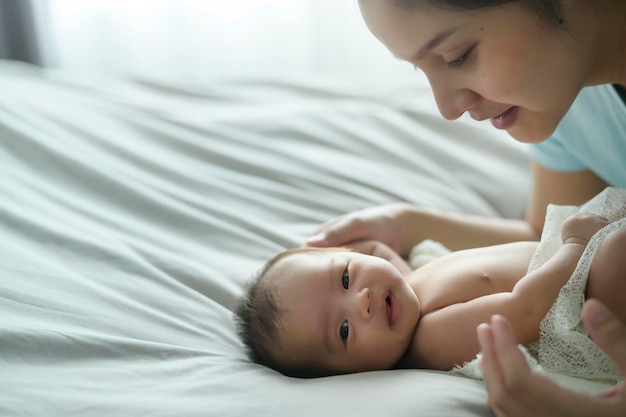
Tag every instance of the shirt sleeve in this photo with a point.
(553, 155)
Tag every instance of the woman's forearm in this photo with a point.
(460, 231)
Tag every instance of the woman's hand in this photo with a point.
(380, 250)
(401, 226)
(383, 223)
(516, 390)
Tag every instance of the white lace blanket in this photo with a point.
(564, 350)
(564, 347)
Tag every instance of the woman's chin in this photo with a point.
(530, 135)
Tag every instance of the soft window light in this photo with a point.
(183, 39)
(234, 10)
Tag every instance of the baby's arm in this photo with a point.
(381, 250)
(541, 287)
(447, 337)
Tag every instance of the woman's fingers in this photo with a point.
(606, 331)
(378, 223)
(514, 388)
(504, 368)
(511, 360)
(338, 232)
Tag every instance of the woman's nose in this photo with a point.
(362, 303)
(453, 102)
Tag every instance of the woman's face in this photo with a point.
(500, 63)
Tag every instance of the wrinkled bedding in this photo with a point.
(133, 212)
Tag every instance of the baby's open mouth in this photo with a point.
(389, 309)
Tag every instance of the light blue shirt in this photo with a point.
(592, 135)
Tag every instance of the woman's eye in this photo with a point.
(345, 279)
(344, 330)
(460, 60)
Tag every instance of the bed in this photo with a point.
(134, 211)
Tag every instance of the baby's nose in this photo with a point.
(363, 303)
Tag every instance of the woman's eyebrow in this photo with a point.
(433, 43)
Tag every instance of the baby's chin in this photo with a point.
(317, 372)
(391, 364)
(379, 362)
(316, 368)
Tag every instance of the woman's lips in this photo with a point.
(504, 120)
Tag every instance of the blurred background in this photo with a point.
(196, 39)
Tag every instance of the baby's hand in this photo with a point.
(580, 228)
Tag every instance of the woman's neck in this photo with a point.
(608, 25)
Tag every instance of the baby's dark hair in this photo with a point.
(258, 315)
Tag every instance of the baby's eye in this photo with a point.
(345, 279)
(344, 330)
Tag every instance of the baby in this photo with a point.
(317, 312)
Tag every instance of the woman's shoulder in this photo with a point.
(592, 135)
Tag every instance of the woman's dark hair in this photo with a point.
(547, 9)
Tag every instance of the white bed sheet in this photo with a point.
(133, 212)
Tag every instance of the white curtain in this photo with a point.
(182, 39)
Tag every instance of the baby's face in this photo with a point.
(343, 312)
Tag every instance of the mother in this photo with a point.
(551, 73)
